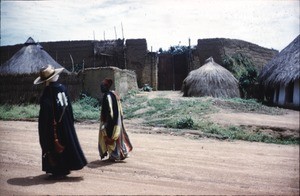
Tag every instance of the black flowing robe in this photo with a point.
(53, 102)
(105, 113)
(113, 138)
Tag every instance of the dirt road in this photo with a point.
(159, 164)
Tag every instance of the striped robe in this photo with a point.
(113, 139)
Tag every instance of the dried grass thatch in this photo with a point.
(284, 68)
(210, 80)
(28, 60)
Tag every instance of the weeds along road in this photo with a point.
(159, 164)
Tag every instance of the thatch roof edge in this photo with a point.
(28, 60)
(284, 68)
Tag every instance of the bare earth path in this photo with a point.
(159, 164)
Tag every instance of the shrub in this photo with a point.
(185, 123)
(244, 71)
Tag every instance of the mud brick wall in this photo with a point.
(16, 90)
(62, 52)
(219, 47)
(136, 52)
(74, 84)
(150, 72)
(194, 61)
(123, 81)
(109, 53)
(20, 89)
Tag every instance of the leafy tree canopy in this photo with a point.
(243, 70)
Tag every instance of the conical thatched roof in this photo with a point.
(210, 80)
(28, 60)
(283, 68)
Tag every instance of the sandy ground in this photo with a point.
(159, 164)
(288, 121)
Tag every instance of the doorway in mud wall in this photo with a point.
(172, 70)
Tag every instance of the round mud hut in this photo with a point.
(281, 77)
(211, 79)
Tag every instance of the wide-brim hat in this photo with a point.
(47, 73)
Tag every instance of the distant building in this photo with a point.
(281, 76)
(160, 71)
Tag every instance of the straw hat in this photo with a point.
(47, 73)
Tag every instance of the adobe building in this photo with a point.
(160, 71)
(218, 48)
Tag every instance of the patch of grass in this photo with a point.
(130, 94)
(247, 105)
(159, 108)
(164, 112)
(182, 112)
(132, 104)
(164, 107)
(185, 113)
(238, 133)
(185, 123)
(86, 108)
(83, 109)
(87, 101)
(19, 112)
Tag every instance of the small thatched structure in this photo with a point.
(28, 60)
(211, 79)
(281, 76)
(18, 73)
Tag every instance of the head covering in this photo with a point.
(47, 73)
(107, 82)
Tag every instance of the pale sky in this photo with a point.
(164, 23)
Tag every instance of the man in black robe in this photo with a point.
(61, 151)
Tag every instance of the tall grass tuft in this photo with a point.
(19, 112)
(86, 108)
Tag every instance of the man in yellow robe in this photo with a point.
(113, 139)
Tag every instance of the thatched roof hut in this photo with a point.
(211, 79)
(18, 73)
(28, 60)
(284, 68)
(281, 76)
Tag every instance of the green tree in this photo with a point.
(244, 71)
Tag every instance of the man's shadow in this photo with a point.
(103, 163)
(40, 179)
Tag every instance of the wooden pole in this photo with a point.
(115, 32)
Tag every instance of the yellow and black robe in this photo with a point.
(113, 139)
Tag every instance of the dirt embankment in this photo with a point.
(283, 125)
